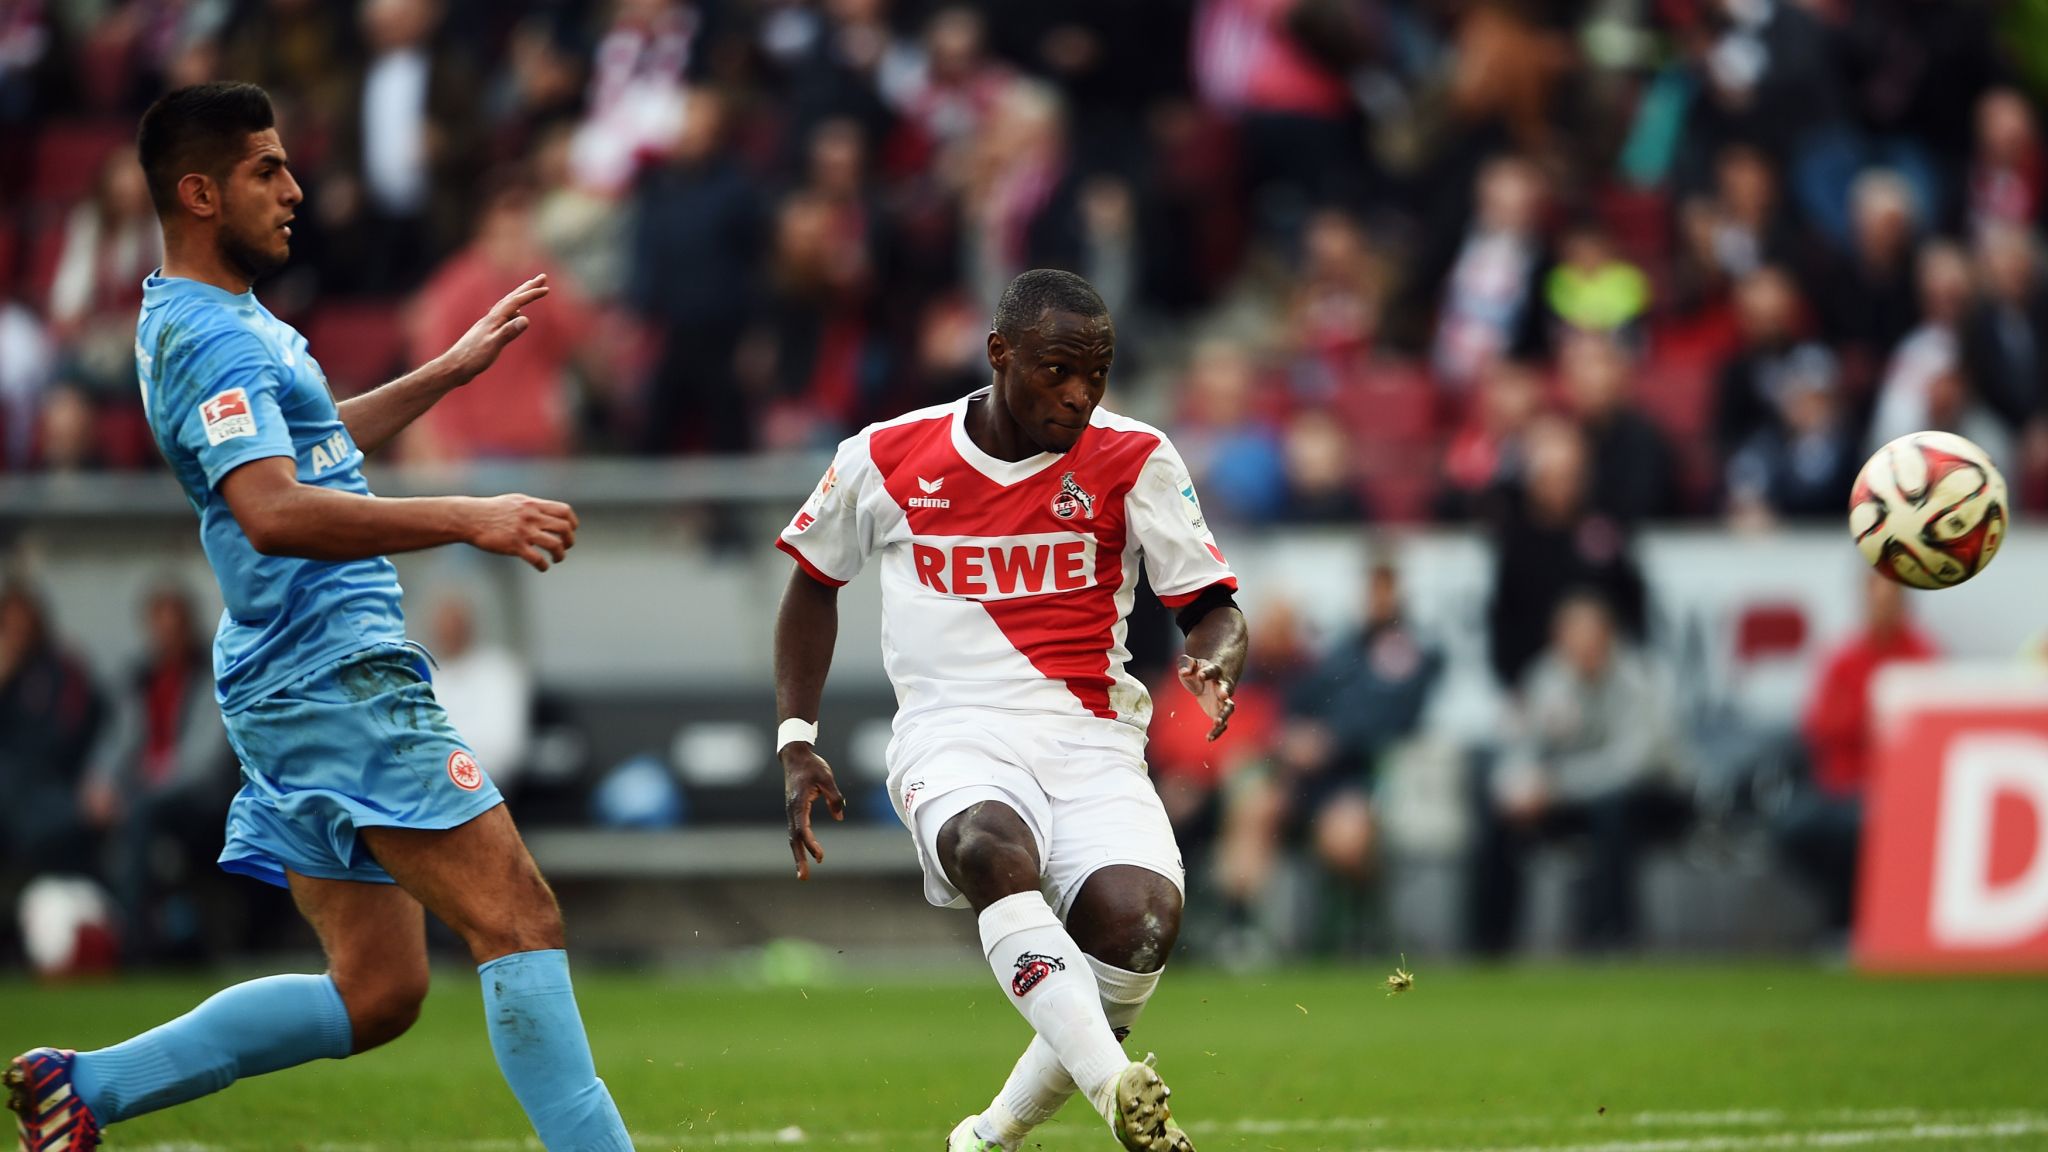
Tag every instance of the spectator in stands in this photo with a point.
(486, 688)
(111, 242)
(298, 50)
(1550, 542)
(1491, 305)
(526, 409)
(697, 238)
(66, 441)
(1924, 386)
(408, 147)
(1738, 230)
(1749, 396)
(947, 93)
(1632, 475)
(1333, 312)
(1592, 753)
(1321, 477)
(2007, 177)
(1343, 718)
(1231, 451)
(1483, 463)
(584, 231)
(1020, 207)
(1802, 466)
(813, 354)
(2005, 341)
(638, 98)
(1869, 302)
(27, 363)
(1592, 289)
(1278, 68)
(840, 70)
(50, 715)
(539, 95)
(160, 777)
(1820, 828)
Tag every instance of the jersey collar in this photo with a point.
(1003, 472)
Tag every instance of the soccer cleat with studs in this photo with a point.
(964, 1139)
(49, 1116)
(1144, 1121)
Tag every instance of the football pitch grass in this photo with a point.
(1707, 1058)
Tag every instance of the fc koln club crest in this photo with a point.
(1072, 499)
(1032, 969)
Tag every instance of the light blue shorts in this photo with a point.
(360, 743)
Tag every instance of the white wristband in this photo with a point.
(794, 731)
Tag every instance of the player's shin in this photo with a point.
(1044, 974)
(537, 1035)
(247, 1030)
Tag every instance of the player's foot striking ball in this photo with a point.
(357, 793)
(1010, 526)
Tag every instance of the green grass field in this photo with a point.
(1613, 1059)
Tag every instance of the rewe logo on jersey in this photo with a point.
(1005, 567)
(929, 500)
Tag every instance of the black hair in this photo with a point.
(202, 128)
(1031, 295)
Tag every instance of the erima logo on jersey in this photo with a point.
(227, 416)
(928, 500)
(329, 452)
(1005, 567)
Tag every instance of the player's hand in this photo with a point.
(1206, 680)
(479, 347)
(805, 779)
(540, 532)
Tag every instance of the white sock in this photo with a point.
(1039, 1086)
(1041, 969)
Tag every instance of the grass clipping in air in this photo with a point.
(1402, 979)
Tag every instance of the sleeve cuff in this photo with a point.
(218, 468)
(1183, 599)
(804, 563)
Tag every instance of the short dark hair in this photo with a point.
(1031, 295)
(202, 128)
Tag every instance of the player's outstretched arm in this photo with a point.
(282, 517)
(806, 629)
(1214, 663)
(376, 416)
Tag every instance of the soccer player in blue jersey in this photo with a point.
(356, 793)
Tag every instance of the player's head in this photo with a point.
(1051, 347)
(217, 171)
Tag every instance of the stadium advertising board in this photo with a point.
(1955, 846)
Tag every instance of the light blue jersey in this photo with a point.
(334, 722)
(225, 382)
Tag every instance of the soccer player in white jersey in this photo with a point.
(1010, 525)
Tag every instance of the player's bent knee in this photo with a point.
(1128, 917)
(988, 853)
(383, 1007)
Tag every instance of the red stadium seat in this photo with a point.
(1770, 630)
(359, 344)
(66, 162)
(1389, 404)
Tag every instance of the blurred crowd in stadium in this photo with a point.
(1370, 258)
(1552, 267)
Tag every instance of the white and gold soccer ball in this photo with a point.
(1928, 510)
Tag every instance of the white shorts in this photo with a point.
(1087, 800)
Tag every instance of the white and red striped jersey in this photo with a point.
(1006, 585)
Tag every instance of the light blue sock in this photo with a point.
(539, 1041)
(246, 1030)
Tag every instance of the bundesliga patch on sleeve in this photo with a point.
(227, 416)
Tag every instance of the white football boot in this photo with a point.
(1143, 1122)
(963, 1139)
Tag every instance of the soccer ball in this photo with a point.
(1928, 510)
